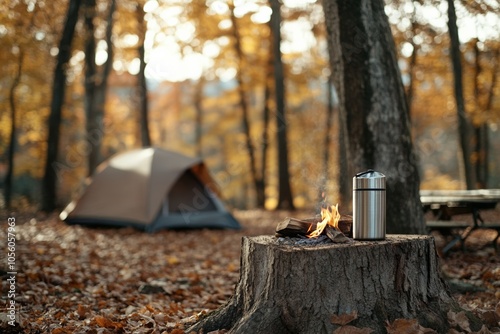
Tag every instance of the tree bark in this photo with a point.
(285, 197)
(9, 175)
(243, 101)
(465, 129)
(413, 63)
(89, 11)
(141, 81)
(96, 83)
(327, 141)
(264, 145)
(373, 108)
(344, 182)
(54, 122)
(197, 101)
(297, 289)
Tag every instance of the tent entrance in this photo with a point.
(190, 204)
(189, 194)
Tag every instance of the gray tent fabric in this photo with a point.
(151, 189)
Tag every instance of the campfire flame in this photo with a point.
(329, 216)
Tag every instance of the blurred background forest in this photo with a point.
(197, 77)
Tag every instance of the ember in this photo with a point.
(304, 241)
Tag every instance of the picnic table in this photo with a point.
(445, 204)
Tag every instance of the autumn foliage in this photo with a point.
(204, 117)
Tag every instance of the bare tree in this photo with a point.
(9, 175)
(197, 101)
(327, 139)
(58, 92)
(264, 145)
(285, 198)
(96, 82)
(465, 129)
(243, 100)
(141, 81)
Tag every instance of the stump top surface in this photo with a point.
(390, 239)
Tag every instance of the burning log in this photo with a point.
(300, 289)
(293, 227)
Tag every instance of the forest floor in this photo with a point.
(72, 279)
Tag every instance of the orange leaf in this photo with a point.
(59, 330)
(344, 319)
(81, 311)
(177, 331)
(407, 326)
(107, 323)
(352, 330)
(403, 326)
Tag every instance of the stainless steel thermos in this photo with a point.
(368, 190)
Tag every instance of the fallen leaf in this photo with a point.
(173, 260)
(407, 326)
(483, 330)
(81, 311)
(352, 330)
(177, 331)
(344, 319)
(107, 323)
(490, 318)
(459, 319)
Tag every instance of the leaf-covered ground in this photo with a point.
(72, 279)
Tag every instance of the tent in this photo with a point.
(150, 189)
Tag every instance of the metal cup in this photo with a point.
(369, 205)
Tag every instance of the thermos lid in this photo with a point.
(369, 179)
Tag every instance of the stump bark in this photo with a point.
(297, 289)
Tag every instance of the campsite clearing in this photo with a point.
(73, 279)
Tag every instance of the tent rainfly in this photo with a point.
(150, 189)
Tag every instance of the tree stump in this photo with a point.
(297, 289)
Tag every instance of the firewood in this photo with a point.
(336, 235)
(345, 225)
(292, 227)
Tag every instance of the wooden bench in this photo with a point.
(444, 204)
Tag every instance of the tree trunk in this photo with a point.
(327, 141)
(89, 10)
(285, 198)
(413, 63)
(141, 81)
(54, 122)
(264, 145)
(297, 289)
(482, 146)
(343, 179)
(465, 129)
(96, 83)
(9, 175)
(197, 101)
(243, 101)
(373, 108)
(482, 150)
